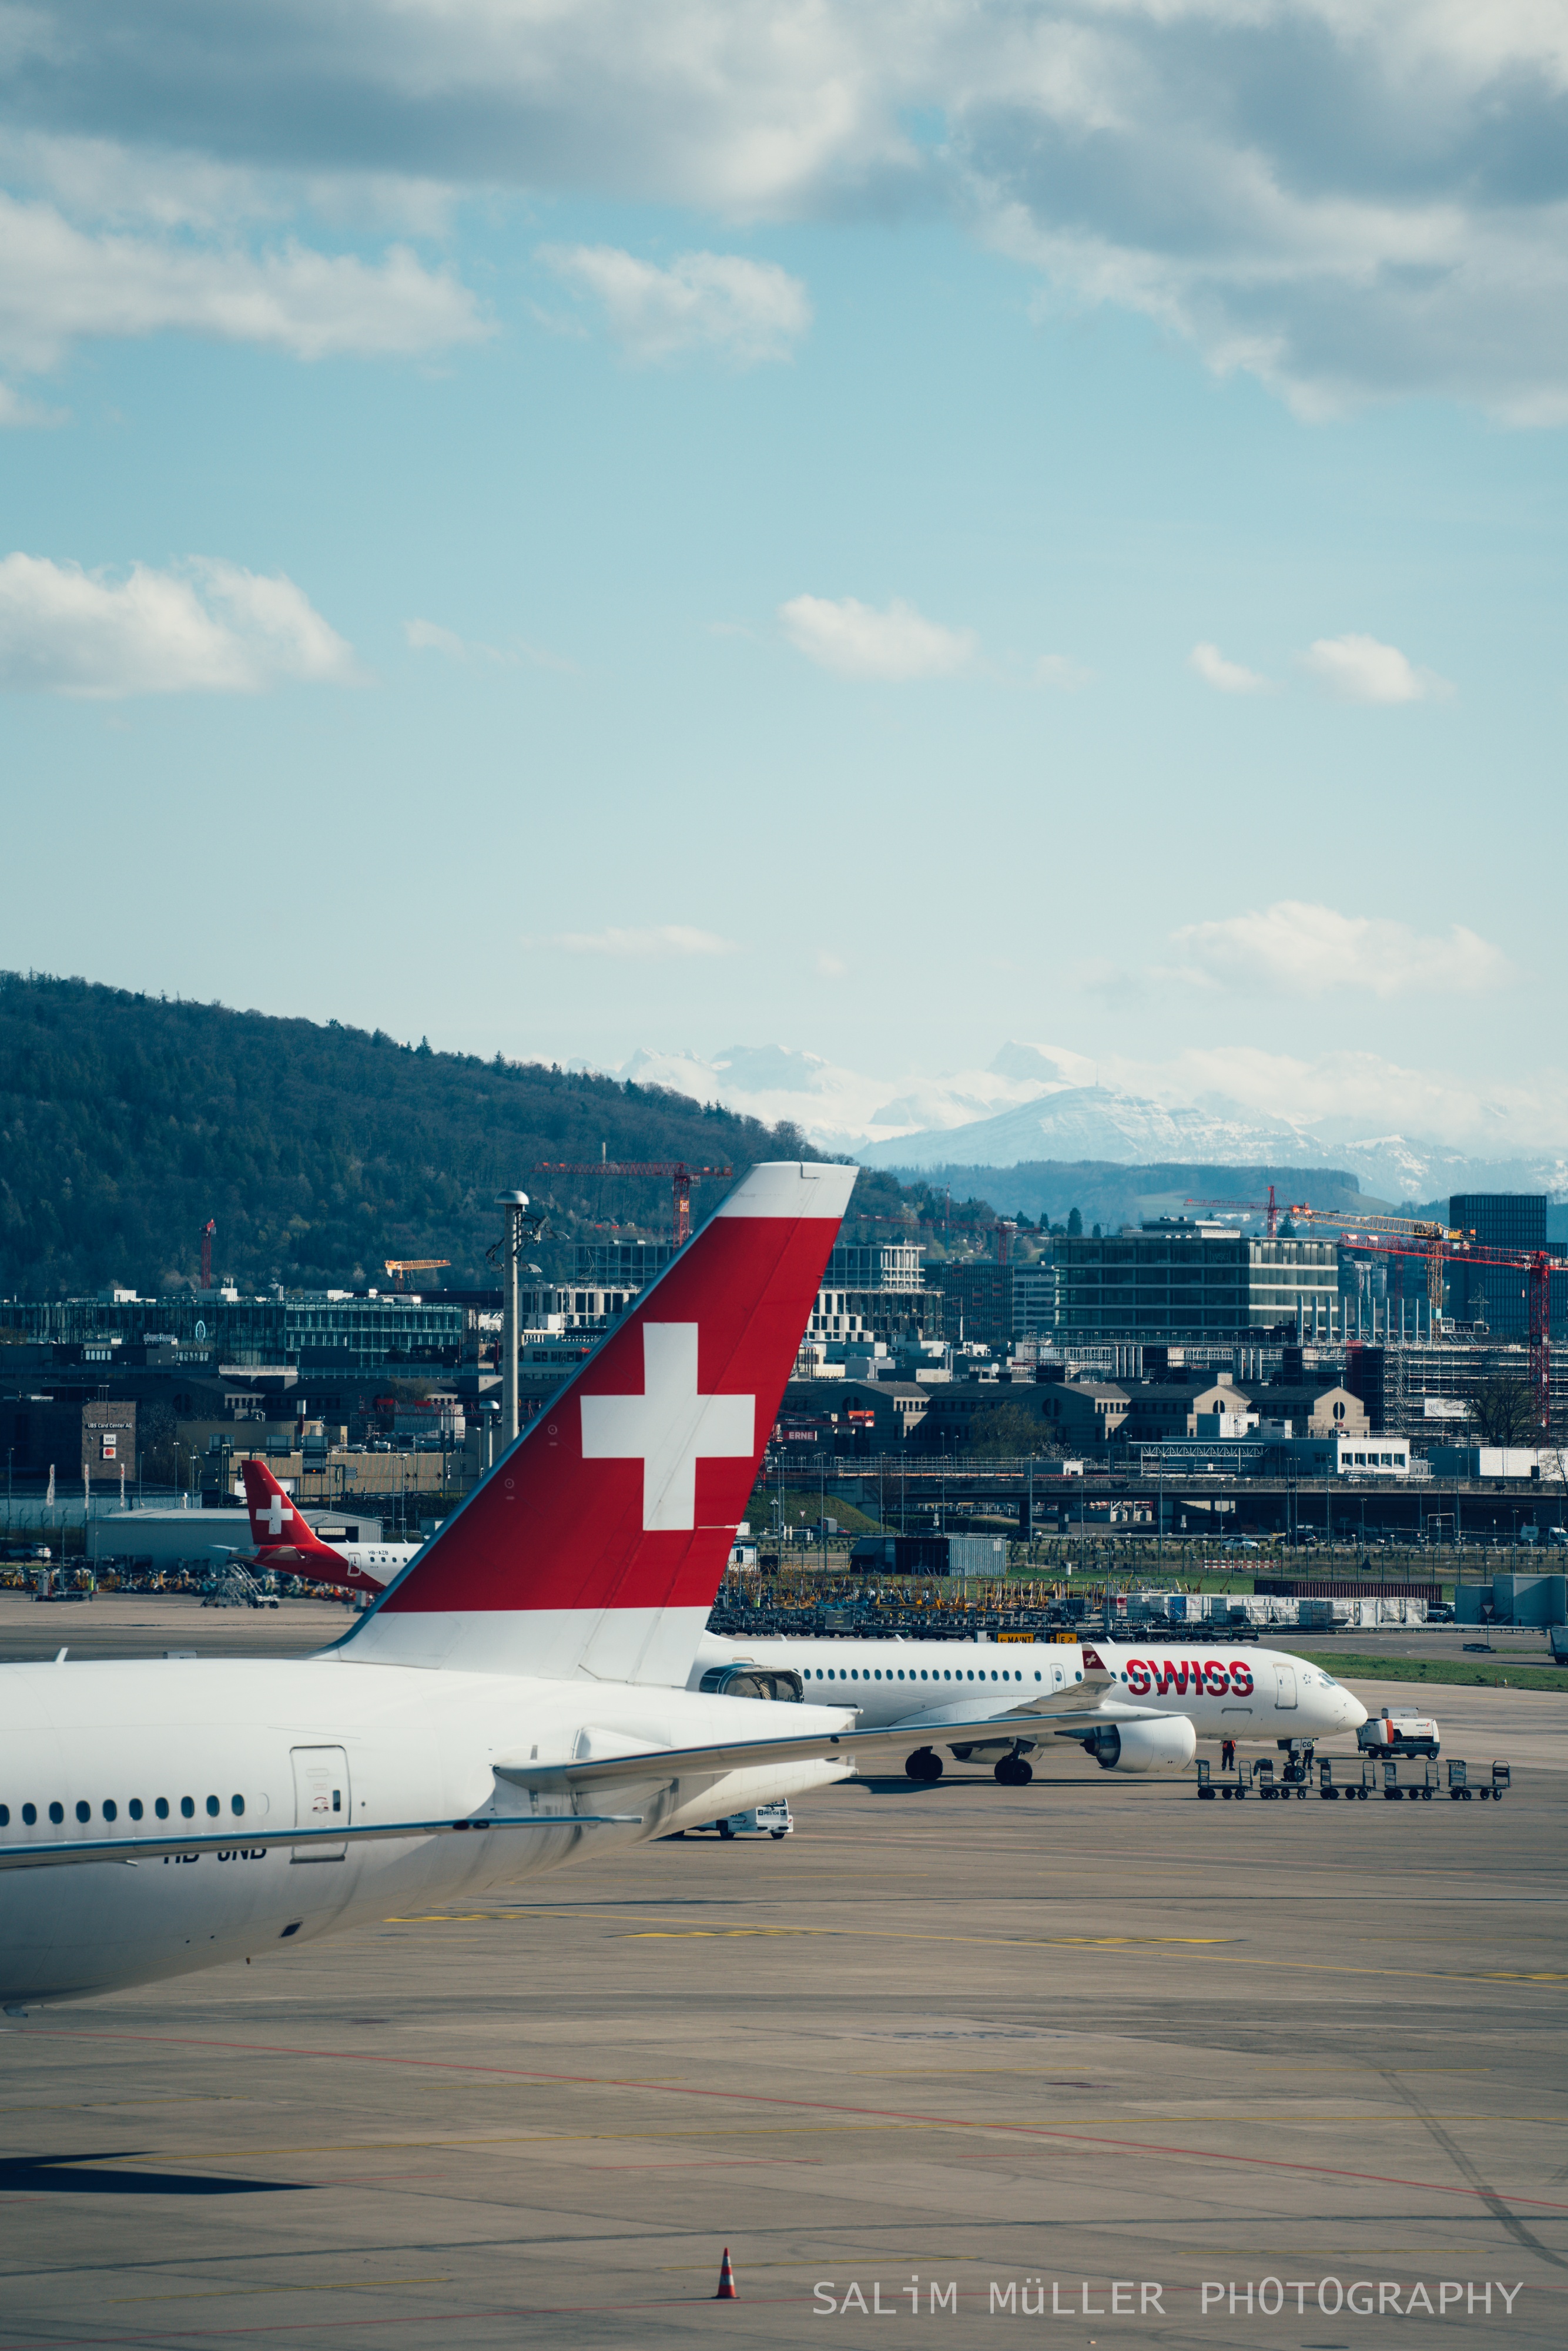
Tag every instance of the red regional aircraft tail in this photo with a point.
(283, 1539)
(597, 1542)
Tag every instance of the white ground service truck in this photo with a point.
(1400, 1731)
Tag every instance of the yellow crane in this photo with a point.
(398, 1266)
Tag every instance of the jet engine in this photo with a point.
(1167, 1745)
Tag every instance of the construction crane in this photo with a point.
(1437, 1245)
(398, 1266)
(1418, 1236)
(1433, 1239)
(1252, 1208)
(679, 1176)
(1455, 1248)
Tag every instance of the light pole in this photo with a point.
(516, 1205)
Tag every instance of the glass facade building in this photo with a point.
(320, 1331)
(1496, 1295)
(1171, 1286)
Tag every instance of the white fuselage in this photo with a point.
(1246, 1694)
(375, 1565)
(377, 1562)
(244, 1748)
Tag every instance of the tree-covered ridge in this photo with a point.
(126, 1120)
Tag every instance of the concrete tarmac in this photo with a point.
(1002, 2048)
(144, 1624)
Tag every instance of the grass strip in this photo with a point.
(1495, 1673)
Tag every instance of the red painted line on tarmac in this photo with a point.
(1056, 2135)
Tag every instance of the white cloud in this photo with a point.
(857, 641)
(60, 284)
(1349, 203)
(748, 311)
(1305, 950)
(660, 940)
(430, 637)
(1359, 669)
(1065, 676)
(1226, 676)
(207, 628)
(16, 413)
(830, 967)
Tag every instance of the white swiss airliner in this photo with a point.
(1158, 1701)
(288, 1544)
(513, 1699)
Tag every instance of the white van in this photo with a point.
(764, 1820)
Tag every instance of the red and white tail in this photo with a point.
(597, 1544)
(283, 1538)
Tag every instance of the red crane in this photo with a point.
(1437, 1245)
(679, 1176)
(1457, 1249)
(208, 1229)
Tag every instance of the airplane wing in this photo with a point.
(659, 1764)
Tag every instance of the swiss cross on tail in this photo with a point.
(272, 1520)
(669, 1427)
(597, 1542)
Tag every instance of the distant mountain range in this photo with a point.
(1093, 1123)
(1041, 1102)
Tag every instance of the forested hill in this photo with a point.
(127, 1121)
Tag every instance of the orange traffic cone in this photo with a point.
(726, 2292)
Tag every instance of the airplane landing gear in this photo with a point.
(1013, 1772)
(924, 1765)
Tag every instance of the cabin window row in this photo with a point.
(945, 1674)
(135, 1810)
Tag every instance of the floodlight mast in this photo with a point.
(516, 1205)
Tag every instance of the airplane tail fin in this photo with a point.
(283, 1536)
(597, 1542)
(275, 1523)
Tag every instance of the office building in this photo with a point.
(1496, 1296)
(977, 1302)
(619, 1265)
(876, 1291)
(329, 1330)
(876, 1265)
(1175, 1280)
(1035, 1300)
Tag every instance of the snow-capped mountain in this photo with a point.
(1045, 1103)
(1097, 1122)
(842, 1109)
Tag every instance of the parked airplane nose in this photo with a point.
(1352, 1713)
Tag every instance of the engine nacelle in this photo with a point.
(1168, 1745)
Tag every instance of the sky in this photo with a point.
(582, 528)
